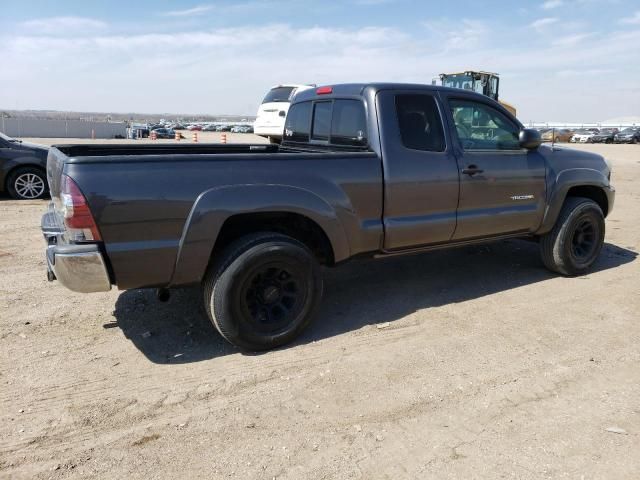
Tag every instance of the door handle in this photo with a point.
(471, 170)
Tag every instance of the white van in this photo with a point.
(273, 111)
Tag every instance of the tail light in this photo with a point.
(324, 90)
(81, 226)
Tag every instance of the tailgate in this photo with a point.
(55, 165)
(269, 113)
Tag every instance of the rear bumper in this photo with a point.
(79, 267)
(268, 130)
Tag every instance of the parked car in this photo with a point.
(557, 135)
(209, 128)
(606, 135)
(365, 170)
(584, 135)
(164, 133)
(23, 169)
(628, 135)
(273, 110)
(139, 131)
(194, 127)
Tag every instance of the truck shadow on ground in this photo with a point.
(357, 294)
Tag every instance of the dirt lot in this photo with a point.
(473, 363)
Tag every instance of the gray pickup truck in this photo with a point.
(363, 170)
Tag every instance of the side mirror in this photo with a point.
(529, 138)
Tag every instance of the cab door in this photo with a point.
(502, 186)
(420, 171)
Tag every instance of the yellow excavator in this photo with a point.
(486, 83)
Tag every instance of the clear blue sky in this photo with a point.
(559, 60)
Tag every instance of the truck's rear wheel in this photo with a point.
(262, 291)
(575, 241)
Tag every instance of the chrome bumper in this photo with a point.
(79, 267)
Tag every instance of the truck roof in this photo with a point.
(357, 89)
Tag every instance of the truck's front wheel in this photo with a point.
(262, 291)
(576, 239)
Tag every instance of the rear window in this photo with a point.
(298, 124)
(337, 122)
(321, 121)
(278, 94)
(420, 123)
(348, 123)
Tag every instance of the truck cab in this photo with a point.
(454, 167)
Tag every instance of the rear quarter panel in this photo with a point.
(142, 208)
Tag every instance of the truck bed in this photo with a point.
(148, 200)
(80, 152)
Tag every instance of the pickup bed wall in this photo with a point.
(165, 216)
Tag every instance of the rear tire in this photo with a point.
(262, 291)
(27, 183)
(575, 241)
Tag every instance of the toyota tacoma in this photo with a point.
(363, 170)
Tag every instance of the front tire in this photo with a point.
(262, 291)
(574, 243)
(27, 183)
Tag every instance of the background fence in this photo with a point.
(41, 128)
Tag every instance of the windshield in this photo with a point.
(458, 81)
(628, 130)
(278, 94)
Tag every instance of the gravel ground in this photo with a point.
(471, 363)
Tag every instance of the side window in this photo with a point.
(348, 123)
(298, 124)
(481, 127)
(321, 121)
(420, 123)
